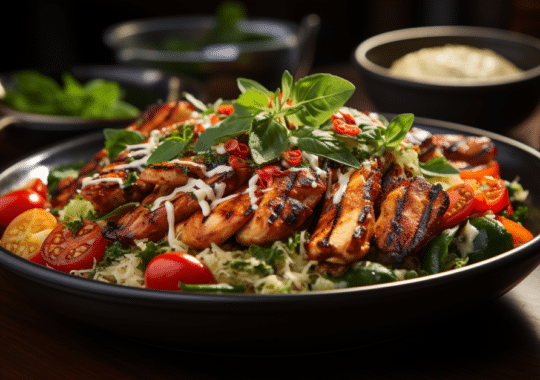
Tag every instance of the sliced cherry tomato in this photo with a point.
(225, 109)
(168, 270)
(18, 201)
(491, 194)
(26, 233)
(462, 202)
(65, 250)
(520, 235)
(293, 157)
(491, 169)
(266, 175)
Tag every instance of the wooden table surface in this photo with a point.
(497, 340)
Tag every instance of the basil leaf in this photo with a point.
(286, 85)
(246, 84)
(252, 101)
(116, 140)
(267, 140)
(397, 129)
(322, 143)
(317, 97)
(169, 149)
(237, 123)
(438, 167)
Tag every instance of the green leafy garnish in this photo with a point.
(313, 99)
(40, 94)
(74, 225)
(169, 149)
(113, 253)
(147, 254)
(116, 140)
(438, 167)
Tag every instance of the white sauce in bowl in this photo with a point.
(454, 63)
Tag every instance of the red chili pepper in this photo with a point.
(235, 148)
(236, 162)
(348, 118)
(293, 157)
(341, 127)
(214, 119)
(225, 109)
(199, 128)
(266, 175)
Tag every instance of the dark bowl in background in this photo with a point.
(286, 324)
(142, 88)
(291, 48)
(492, 106)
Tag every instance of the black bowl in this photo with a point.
(142, 88)
(291, 47)
(275, 324)
(494, 106)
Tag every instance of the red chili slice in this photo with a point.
(235, 148)
(236, 162)
(266, 175)
(293, 157)
(225, 109)
(341, 127)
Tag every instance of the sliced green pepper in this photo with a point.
(366, 273)
(437, 257)
(492, 239)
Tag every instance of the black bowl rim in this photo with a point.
(116, 32)
(247, 302)
(360, 54)
(68, 123)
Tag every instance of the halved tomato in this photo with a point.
(168, 270)
(26, 233)
(491, 194)
(461, 205)
(66, 249)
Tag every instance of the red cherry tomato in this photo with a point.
(38, 186)
(168, 270)
(491, 169)
(65, 251)
(491, 194)
(18, 201)
(462, 203)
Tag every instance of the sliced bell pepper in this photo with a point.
(520, 235)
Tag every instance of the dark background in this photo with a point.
(59, 34)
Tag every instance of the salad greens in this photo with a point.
(40, 94)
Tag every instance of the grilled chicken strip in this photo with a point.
(227, 217)
(474, 150)
(175, 173)
(150, 219)
(284, 207)
(410, 215)
(157, 116)
(347, 221)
